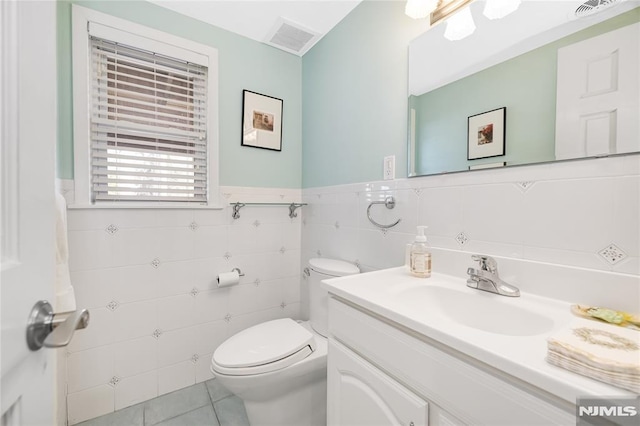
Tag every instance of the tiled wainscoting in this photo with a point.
(148, 276)
(581, 214)
(149, 279)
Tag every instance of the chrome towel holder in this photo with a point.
(389, 203)
(292, 208)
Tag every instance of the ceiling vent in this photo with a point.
(591, 7)
(291, 37)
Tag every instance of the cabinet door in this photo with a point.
(360, 394)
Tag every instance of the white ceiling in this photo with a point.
(256, 18)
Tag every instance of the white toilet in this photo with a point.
(279, 367)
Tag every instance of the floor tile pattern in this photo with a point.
(204, 404)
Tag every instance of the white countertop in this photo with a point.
(396, 295)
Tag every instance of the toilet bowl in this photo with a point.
(279, 367)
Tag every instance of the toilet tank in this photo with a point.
(322, 269)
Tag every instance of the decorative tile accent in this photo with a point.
(418, 192)
(462, 238)
(227, 318)
(111, 229)
(337, 225)
(525, 185)
(227, 195)
(194, 226)
(256, 223)
(114, 381)
(157, 333)
(227, 255)
(283, 305)
(384, 232)
(282, 250)
(282, 196)
(155, 263)
(256, 282)
(195, 358)
(194, 292)
(113, 305)
(612, 254)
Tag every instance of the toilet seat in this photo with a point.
(263, 348)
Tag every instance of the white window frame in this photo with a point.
(135, 35)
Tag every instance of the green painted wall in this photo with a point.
(526, 85)
(243, 64)
(354, 91)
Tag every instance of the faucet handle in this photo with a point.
(487, 263)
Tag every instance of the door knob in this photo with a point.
(51, 330)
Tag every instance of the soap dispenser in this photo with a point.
(420, 257)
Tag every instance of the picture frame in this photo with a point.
(486, 134)
(261, 121)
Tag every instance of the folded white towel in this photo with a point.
(65, 297)
(601, 351)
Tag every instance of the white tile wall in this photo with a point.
(561, 214)
(148, 276)
(149, 279)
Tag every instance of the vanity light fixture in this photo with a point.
(460, 25)
(458, 13)
(447, 8)
(459, 20)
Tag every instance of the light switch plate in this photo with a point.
(389, 172)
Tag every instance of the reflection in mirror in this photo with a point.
(571, 91)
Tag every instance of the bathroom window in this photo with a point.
(145, 116)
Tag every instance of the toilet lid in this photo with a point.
(333, 267)
(269, 346)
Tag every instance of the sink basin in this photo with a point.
(477, 309)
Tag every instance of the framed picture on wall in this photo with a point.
(486, 134)
(261, 121)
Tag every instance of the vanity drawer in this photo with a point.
(459, 385)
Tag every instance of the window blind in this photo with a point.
(148, 126)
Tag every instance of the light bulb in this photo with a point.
(497, 9)
(460, 25)
(419, 9)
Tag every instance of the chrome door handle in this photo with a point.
(51, 330)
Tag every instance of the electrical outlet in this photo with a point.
(389, 172)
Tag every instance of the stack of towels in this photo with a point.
(601, 351)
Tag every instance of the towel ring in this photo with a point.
(389, 203)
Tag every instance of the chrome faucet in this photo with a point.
(486, 277)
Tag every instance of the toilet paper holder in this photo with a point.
(238, 271)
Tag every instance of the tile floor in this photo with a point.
(203, 404)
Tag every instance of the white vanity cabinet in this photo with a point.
(382, 373)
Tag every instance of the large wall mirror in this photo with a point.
(539, 85)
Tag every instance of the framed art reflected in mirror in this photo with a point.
(486, 134)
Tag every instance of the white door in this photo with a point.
(28, 143)
(598, 95)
